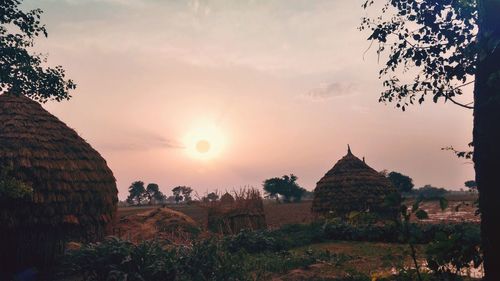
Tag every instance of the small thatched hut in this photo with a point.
(70, 193)
(227, 198)
(352, 185)
(231, 214)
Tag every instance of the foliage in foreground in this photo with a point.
(255, 255)
(116, 259)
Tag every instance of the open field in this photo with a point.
(458, 210)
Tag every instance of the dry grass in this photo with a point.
(245, 210)
(155, 223)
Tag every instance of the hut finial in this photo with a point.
(348, 149)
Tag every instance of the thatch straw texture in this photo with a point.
(231, 214)
(352, 185)
(74, 191)
(161, 224)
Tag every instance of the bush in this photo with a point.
(209, 260)
(252, 242)
(450, 253)
(116, 259)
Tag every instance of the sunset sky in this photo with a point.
(278, 87)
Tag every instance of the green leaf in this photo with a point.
(416, 205)
(404, 210)
(443, 203)
(421, 215)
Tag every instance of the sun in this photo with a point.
(205, 143)
(203, 146)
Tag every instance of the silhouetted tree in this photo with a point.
(136, 193)
(182, 193)
(286, 187)
(22, 72)
(429, 192)
(472, 185)
(154, 194)
(177, 192)
(212, 196)
(449, 45)
(402, 182)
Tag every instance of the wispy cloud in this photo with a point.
(143, 141)
(331, 90)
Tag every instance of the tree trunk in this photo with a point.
(487, 134)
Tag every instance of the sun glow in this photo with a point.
(204, 143)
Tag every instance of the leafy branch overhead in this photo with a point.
(21, 71)
(432, 41)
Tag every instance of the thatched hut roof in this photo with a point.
(244, 210)
(74, 191)
(352, 185)
(227, 198)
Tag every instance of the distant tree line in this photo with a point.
(182, 193)
(140, 195)
(284, 188)
(405, 185)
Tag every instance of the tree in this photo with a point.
(136, 193)
(285, 186)
(154, 194)
(450, 45)
(22, 72)
(186, 192)
(471, 184)
(429, 192)
(177, 192)
(402, 182)
(212, 196)
(182, 193)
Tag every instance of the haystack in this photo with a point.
(353, 186)
(160, 223)
(244, 211)
(73, 192)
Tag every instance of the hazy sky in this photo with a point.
(285, 84)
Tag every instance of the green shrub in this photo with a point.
(116, 259)
(450, 253)
(12, 188)
(252, 242)
(209, 260)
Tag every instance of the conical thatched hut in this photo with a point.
(227, 199)
(71, 194)
(352, 185)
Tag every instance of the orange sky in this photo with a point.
(285, 82)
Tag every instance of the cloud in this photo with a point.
(331, 90)
(143, 141)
